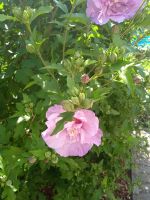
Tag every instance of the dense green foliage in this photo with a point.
(43, 54)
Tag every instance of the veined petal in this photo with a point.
(75, 149)
(55, 141)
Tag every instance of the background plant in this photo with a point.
(45, 49)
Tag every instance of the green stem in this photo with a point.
(66, 30)
(38, 52)
(132, 21)
(45, 65)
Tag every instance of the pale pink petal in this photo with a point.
(57, 109)
(53, 119)
(101, 11)
(96, 139)
(73, 124)
(90, 121)
(55, 141)
(74, 149)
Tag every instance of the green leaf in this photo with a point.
(67, 116)
(40, 11)
(39, 153)
(97, 195)
(100, 93)
(70, 82)
(118, 41)
(6, 17)
(78, 2)
(62, 6)
(8, 194)
(114, 112)
(4, 136)
(1, 6)
(77, 18)
(129, 80)
(146, 21)
(30, 84)
(58, 66)
(46, 84)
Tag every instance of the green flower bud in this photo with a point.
(67, 64)
(75, 91)
(75, 100)
(48, 154)
(115, 29)
(82, 96)
(2, 184)
(27, 14)
(27, 110)
(104, 58)
(31, 105)
(68, 105)
(30, 48)
(17, 12)
(9, 183)
(32, 160)
(113, 57)
(54, 159)
(79, 62)
(3, 178)
(88, 103)
(98, 70)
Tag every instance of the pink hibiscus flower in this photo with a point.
(101, 11)
(77, 137)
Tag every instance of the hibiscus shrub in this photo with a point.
(89, 81)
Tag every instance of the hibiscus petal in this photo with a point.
(54, 109)
(90, 121)
(101, 11)
(55, 141)
(74, 149)
(96, 139)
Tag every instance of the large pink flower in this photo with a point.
(101, 11)
(77, 137)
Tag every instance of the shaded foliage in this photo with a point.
(45, 48)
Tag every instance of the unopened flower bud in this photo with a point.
(137, 80)
(17, 12)
(30, 48)
(48, 154)
(68, 105)
(75, 91)
(27, 14)
(54, 159)
(46, 161)
(75, 100)
(113, 57)
(3, 178)
(115, 29)
(9, 183)
(82, 96)
(85, 78)
(88, 103)
(32, 160)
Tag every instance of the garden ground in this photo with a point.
(142, 172)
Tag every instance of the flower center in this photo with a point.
(73, 132)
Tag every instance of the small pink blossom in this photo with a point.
(85, 78)
(78, 135)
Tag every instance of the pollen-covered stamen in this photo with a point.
(73, 132)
